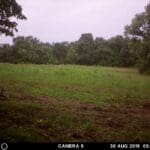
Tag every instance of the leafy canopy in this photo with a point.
(139, 32)
(9, 9)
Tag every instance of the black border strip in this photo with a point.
(78, 146)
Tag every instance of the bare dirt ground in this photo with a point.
(112, 117)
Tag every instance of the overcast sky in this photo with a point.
(66, 20)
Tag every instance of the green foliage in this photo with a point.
(9, 9)
(71, 56)
(86, 51)
(121, 52)
(85, 47)
(144, 57)
(27, 50)
(60, 52)
(139, 32)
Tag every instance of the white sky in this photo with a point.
(66, 20)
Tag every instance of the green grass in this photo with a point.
(52, 103)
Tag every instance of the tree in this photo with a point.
(71, 57)
(139, 32)
(116, 44)
(84, 49)
(126, 59)
(60, 52)
(121, 53)
(9, 9)
(31, 50)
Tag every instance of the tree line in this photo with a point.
(85, 51)
(132, 49)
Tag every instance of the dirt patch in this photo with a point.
(146, 105)
(44, 100)
(119, 118)
(111, 117)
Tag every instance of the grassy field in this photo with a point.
(69, 103)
